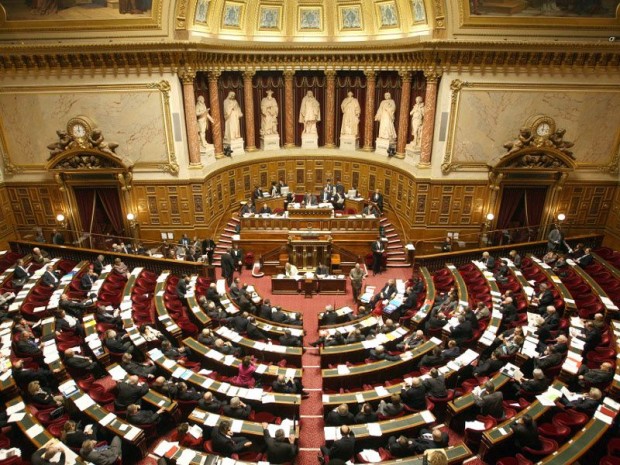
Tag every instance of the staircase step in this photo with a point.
(398, 265)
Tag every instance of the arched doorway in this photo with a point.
(521, 212)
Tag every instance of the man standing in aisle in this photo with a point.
(357, 277)
(377, 255)
(228, 267)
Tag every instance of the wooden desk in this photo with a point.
(248, 428)
(271, 202)
(332, 285)
(422, 313)
(580, 443)
(357, 204)
(456, 455)
(569, 303)
(271, 352)
(283, 285)
(401, 425)
(311, 212)
(166, 323)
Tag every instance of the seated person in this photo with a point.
(371, 209)
(586, 404)
(340, 416)
(392, 408)
(265, 210)
(488, 260)
(186, 393)
(435, 439)
(137, 416)
(414, 395)
(290, 270)
(129, 392)
(366, 415)
(237, 409)
(341, 449)
(602, 375)
(322, 270)
(287, 339)
(285, 385)
(526, 433)
(210, 403)
(185, 438)
(43, 396)
(379, 353)
(489, 366)
(74, 437)
(280, 449)
(401, 446)
(103, 455)
(165, 387)
(435, 385)
(118, 343)
(248, 209)
(224, 443)
(490, 401)
(45, 454)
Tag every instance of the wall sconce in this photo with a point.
(61, 220)
(132, 220)
(561, 217)
(490, 217)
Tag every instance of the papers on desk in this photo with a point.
(549, 397)
(83, 402)
(332, 433)
(474, 425)
(109, 418)
(381, 391)
(427, 416)
(236, 426)
(34, 430)
(117, 373)
(513, 371)
(374, 429)
(19, 407)
(16, 417)
(211, 419)
(164, 447)
(343, 370)
(132, 433)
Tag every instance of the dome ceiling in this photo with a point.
(308, 21)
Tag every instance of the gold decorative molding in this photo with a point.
(456, 86)
(181, 14)
(164, 88)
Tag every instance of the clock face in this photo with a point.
(543, 129)
(78, 130)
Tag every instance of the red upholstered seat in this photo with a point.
(548, 447)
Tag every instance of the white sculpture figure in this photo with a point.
(269, 115)
(309, 113)
(203, 116)
(232, 113)
(350, 115)
(417, 118)
(385, 116)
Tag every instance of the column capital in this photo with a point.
(249, 73)
(330, 73)
(370, 73)
(432, 75)
(187, 75)
(214, 75)
(405, 74)
(288, 73)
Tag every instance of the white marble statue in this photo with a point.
(417, 119)
(203, 116)
(351, 110)
(232, 114)
(385, 116)
(309, 113)
(269, 115)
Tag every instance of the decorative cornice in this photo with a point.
(440, 55)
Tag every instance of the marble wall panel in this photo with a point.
(134, 119)
(487, 118)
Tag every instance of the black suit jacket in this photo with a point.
(181, 289)
(143, 417)
(129, 394)
(50, 279)
(378, 199)
(343, 448)
(414, 397)
(546, 299)
(462, 332)
(228, 265)
(436, 387)
(377, 247)
(491, 404)
(20, 273)
(279, 451)
(335, 419)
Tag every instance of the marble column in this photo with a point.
(403, 115)
(191, 123)
(330, 115)
(216, 114)
(369, 116)
(289, 115)
(428, 126)
(248, 111)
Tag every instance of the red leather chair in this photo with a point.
(557, 432)
(572, 419)
(516, 460)
(549, 446)
(473, 437)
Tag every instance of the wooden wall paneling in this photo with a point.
(6, 219)
(586, 206)
(612, 236)
(35, 205)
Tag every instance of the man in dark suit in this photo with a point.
(88, 279)
(377, 248)
(224, 443)
(20, 274)
(310, 199)
(435, 439)
(58, 238)
(508, 311)
(435, 385)
(490, 401)
(103, 455)
(144, 370)
(210, 403)
(414, 396)
(339, 188)
(237, 255)
(50, 278)
(602, 375)
(279, 449)
(488, 366)
(377, 199)
(463, 331)
(587, 404)
(550, 358)
(208, 247)
(488, 260)
(287, 339)
(326, 195)
(586, 259)
(98, 264)
(228, 267)
(544, 297)
(401, 447)
(387, 292)
(129, 392)
(182, 288)
(23, 376)
(330, 317)
(551, 322)
(137, 416)
(342, 449)
(288, 386)
(339, 416)
(66, 322)
(213, 295)
(44, 455)
(257, 193)
(27, 345)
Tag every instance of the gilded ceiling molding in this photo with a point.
(447, 55)
(440, 18)
(180, 14)
(172, 166)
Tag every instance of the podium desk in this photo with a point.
(311, 212)
(284, 285)
(332, 285)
